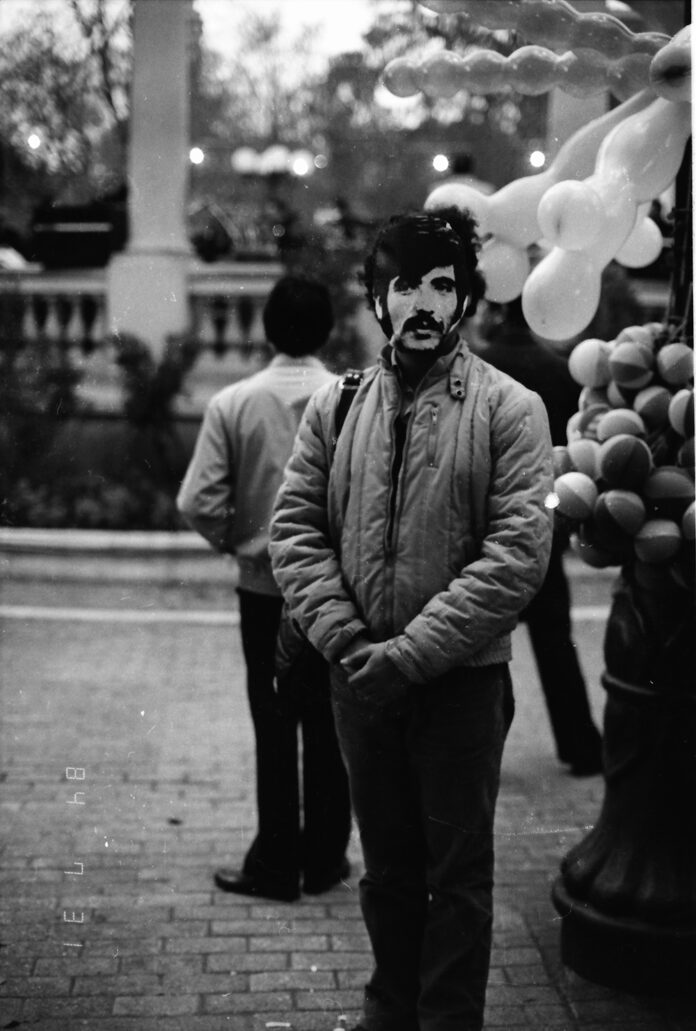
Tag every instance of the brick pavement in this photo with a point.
(127, 776)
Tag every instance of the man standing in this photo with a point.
(509, 345)
(406, 550)
(227, 496)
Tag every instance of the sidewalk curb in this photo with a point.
(112, 556)
(150, 555)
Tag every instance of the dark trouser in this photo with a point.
(548, 621)
(282, 851)
(424, 777)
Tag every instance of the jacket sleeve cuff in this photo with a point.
(340, 641)
(405, 666)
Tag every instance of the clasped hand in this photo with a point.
(371, 674)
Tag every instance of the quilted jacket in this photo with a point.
(439, 558)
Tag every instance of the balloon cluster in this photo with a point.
(589, 223)
(597, 52)
(530, 70)
(624, 482)
(556, 22)
(507, 220)
(585, 218)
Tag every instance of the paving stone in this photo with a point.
(246, 1002)
(149, 1005)
(271, 981)
(249, 961)
(226, 945)
(288, 942)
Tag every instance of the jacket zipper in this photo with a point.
(432, 435)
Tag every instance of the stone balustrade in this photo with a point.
(67, 307)
(70, 307)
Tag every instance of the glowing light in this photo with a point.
(537, 159)
(34, 141)
(440, 162)
(196, 156)
(552, 500)
(300, 166)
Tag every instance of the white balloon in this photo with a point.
(570, 215)
(561, 294)
(643, 246)
(670, 68)
(505, 269)
(647, 147)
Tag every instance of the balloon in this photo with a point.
(583, 74)
(628, 75)
(442, 74)
(670, 68)
(552, 22)
(636, 161)
(570, 215)
(402, 77)
(557, 23)
(464, 197)
(504, 268)
(561, 295)
(512, 211)
(500, 15)
(602, 32)
(532, 70)
(643, 246)
(485, 71)
(576, 158)
(648, 147)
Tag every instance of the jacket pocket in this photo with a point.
(433, 432)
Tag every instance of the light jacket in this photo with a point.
(440, 560)
(244, 442)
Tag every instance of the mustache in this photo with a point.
(423, 321)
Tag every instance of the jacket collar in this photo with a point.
(453, 365)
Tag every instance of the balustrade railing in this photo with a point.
(68, 308)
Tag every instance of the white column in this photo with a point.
(147, 284)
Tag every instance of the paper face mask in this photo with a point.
(421, 311)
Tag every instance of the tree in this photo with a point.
(65, 76)
(268, 85)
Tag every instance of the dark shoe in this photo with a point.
(318, 885)
(246, 884)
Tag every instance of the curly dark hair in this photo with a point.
(413, 243)
(298, 315)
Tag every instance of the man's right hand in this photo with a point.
(356, 645)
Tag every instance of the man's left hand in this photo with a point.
(373, 676)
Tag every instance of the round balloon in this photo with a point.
(570, 215)
(670, 69)
(402, 77)
(561, 294)
(505, 269)
(643, 246)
